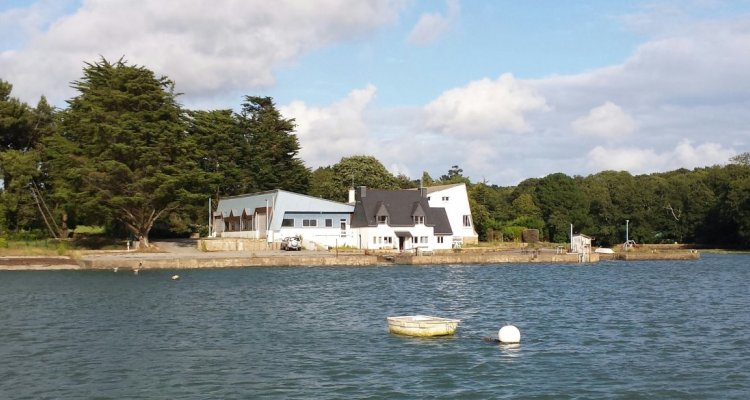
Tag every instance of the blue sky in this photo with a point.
(507, 90)
(529, 39)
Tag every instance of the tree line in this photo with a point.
(125, 155)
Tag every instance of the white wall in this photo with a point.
(320, 236)
(456, 207)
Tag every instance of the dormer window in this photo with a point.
(418, 220)
(382, 219)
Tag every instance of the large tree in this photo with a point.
(274, 147)
(126, 146)
(21, 130)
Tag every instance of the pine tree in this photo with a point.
(274, 148)
(127, 146)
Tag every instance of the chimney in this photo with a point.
(351, 196)
(362, 192)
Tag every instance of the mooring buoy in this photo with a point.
(509, 334)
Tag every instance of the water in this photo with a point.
(617, 330)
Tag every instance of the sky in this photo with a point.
(506, 90)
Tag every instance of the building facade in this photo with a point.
(276, 214)
(399, 220)
(455, 200)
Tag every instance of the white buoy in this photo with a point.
(509, 334)
(175, 277)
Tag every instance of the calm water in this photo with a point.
(617, 330)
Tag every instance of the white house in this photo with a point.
(276, 214)
(399, 220)
(455, 200)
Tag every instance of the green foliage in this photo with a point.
(333, 182)
(561, 202)
(19, 170)
(89, 230)
(512, 233)
(528, 222)
(427, 179)
(323, 185)
(125, 145)
(454, 175)
(62, 248)
(741, 159)
(274, 149)
(16, 121)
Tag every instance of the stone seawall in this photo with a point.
(235, 244)
(132, 261)
(671, 255)
(229, 262)
(488, 258)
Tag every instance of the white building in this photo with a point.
(399, 220)
(455, 200)
(580, 244)
(276, 214)
(413, 219)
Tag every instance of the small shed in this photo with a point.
(580, 244)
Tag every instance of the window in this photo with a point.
(418, 219)
(374, 240)
(287, 222)
(467, 220)
(382, 219)
(329, 223)
(440, 239)
(446, 198)
(310, 222)
(388, 240)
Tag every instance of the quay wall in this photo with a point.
(235, 244)
(229, 262)
(670, 255)
(488, 258)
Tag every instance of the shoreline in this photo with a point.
(199, 260)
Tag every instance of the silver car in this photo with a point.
(291, 243)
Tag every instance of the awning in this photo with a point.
(404, 234)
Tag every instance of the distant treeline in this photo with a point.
(125, 155)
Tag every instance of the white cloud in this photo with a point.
(484, 107)
(606, 121)
(328, 133)
(18, 23)
(431, 27)
(640, 160)
(206, 47)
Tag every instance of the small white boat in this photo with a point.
(604, 250)
(422, 325)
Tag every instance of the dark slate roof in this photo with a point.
(400, 206)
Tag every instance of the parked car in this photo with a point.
(291, 243)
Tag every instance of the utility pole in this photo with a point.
(627, 233)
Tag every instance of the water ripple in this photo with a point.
(618, 329)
